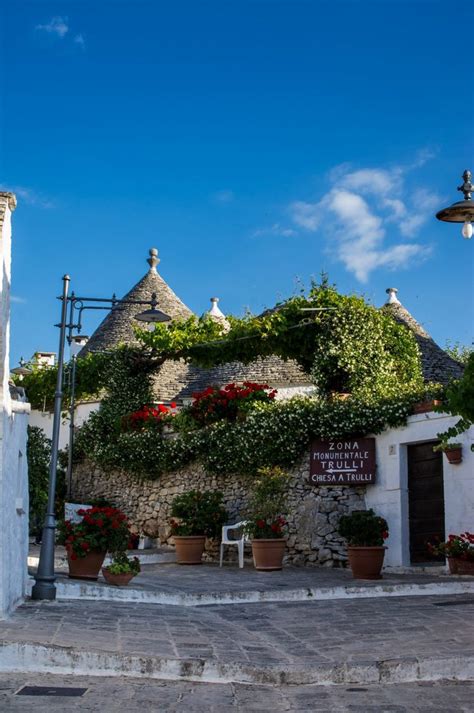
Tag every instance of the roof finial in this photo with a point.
(392, 296)
(153, 260)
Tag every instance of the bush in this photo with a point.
(198, 513)
(363, 529)
(101, 529)
(267, 505)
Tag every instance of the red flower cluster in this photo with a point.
(271, 528)
(148, 416)
(214, 403)
(101, 529)
(457, 546)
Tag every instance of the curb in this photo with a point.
(94, 592)
(38, 658)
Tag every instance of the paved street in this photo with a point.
(142, 696)
(259, 642)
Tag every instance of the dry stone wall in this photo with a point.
(313, 512)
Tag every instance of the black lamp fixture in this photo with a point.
(153, 315)
(462, 211)
(21, 370)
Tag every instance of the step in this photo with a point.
(145, 556)
(27, 657)
(68, 589)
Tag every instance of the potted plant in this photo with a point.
(265, 521)
(200, 515)
(459, 551)
(101, 529)
(365, 533)
(121, 570)
(452, 451)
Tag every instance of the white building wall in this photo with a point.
(44, 420)
(389, 495)
(13, 435)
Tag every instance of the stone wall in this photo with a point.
(313, 512)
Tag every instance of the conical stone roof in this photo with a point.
(436, 364)
(117, 327)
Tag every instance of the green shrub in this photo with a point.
(363, 529)
(268, 505)
(198, 513)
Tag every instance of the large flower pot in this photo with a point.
(454, 455)
(117, 580)
(189, 549)
(87, 567)
(268, 554)
(366, 562)
(460, 566)
(426, 406)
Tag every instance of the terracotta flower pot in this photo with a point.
(366, 562)
(268, 554)
(189, 549)
(454, 455)
(87, 567)
(117, 580)
(426, 406)
(460, 566)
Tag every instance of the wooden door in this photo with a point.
(425, 499)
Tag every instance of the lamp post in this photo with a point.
(462, 211)
(44, 587)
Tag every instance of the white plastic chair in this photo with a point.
(239, 542)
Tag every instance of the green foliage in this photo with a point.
(348, 345)
(38, 453)
(459, 401)
(198, 513)
(363, 528)
(459, 352)
(272, 434)
(121, 564)
(40, 385)
(268, 504)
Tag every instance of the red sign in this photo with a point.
(349, 461)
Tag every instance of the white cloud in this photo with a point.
(56, 26)
(275, 229)
(224, 196)
(366, 214)
(17, 300)
(30, 196)
(79, 40)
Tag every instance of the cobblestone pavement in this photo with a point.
(132, 695)
(270, 634)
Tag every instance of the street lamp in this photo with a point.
(44, 587)
(462, 211)
(76, 342)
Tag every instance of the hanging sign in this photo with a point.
(348, 461)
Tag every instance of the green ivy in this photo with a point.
(273, 434)
(38, 453)
(459, 401)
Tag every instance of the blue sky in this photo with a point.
(255, 143)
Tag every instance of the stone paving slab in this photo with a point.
(109, 695)
(359, 641)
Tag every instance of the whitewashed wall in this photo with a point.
(44, 420)
(13, 433)
(389, 496)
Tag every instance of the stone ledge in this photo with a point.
(73, 590)
(27, 657)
